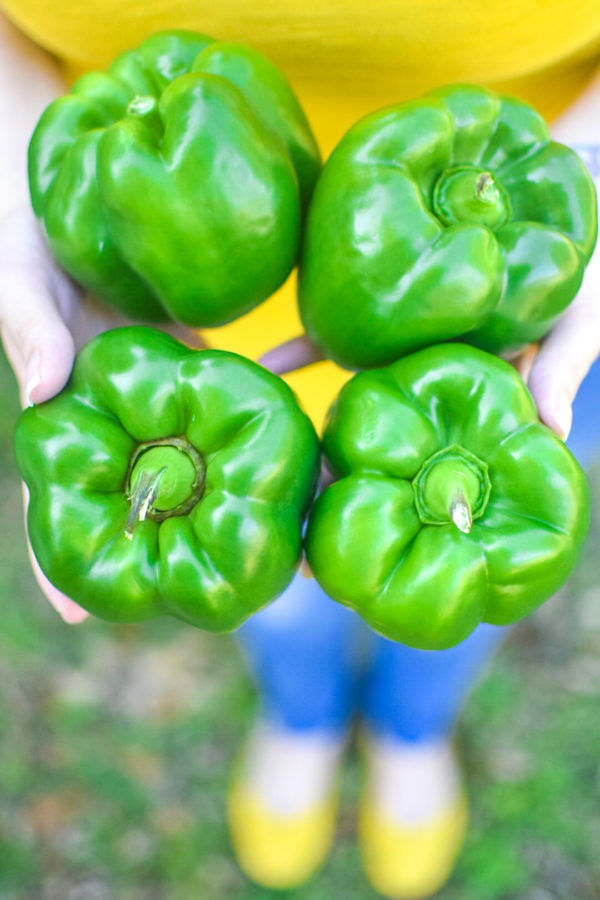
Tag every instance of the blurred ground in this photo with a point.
(115, 745)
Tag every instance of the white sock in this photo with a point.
(411, 783)
(292, 771)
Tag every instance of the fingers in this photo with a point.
(89, 317)
(294, 354)
(564, 360)
(305, 569)
(523, 363)
(68, 610)
(189, 336)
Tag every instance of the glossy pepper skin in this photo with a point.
(172, 185)
(165, 480)
(450, 216)
(454, 505)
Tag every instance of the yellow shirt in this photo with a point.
(344, 59)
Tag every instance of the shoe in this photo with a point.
(282, 805)
(413, 817)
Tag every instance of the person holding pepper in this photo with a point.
(344, 61)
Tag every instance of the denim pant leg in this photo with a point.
(584, 440)
(303, 653)
(416, 695)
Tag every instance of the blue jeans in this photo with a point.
(317, 664)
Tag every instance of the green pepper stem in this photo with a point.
(144, 108)
(485, 187)
(467, 194)
(165, 478)
(460, 513)
(141, 498)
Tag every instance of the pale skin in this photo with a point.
(44, 319)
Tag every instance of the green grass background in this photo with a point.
(116, 743)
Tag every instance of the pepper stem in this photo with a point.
(468, 194)
(485, 187)
(165, 478)
(144, 108)
(142, 497)
(460, 512)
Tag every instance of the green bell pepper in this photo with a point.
(167, 480)
(172, 186)
(454, 504)
(450, 216)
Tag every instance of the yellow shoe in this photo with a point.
(282, 803)
(411, 863)
(274, 850)
(413, 816)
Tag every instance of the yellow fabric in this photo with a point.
(344, 58)
(278, 851)
(410, 863)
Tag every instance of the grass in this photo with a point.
(116, 743)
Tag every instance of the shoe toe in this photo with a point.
(274, 850)
(411, 863)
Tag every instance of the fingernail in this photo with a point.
(563, 414)
(33, 377)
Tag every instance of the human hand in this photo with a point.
(552, 369)
(37, 302)
(44, 320)
(555, 368)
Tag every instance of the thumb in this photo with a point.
(563, 362)
(37, 341)
(553, 390)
